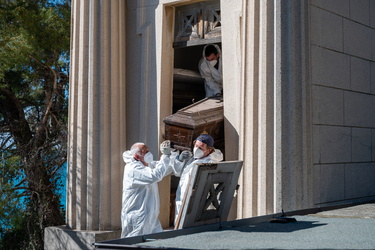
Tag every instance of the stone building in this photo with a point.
(298, 90)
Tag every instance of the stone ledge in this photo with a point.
(62, 237)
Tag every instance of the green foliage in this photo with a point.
(34, 73)
(16, 236)
(10, 200)
(32, 31)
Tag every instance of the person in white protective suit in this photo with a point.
(140, 195)
(183, 164)
(210, 68)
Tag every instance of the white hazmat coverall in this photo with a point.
(140, 195)
(213, 77)
(184, 171)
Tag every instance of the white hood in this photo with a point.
(216, 46)
(128, 157)
(216, 156)
(213, 77)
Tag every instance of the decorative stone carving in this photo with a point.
(198, 23)
(212, 20)
(187, 23)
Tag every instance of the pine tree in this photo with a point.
(34, 76)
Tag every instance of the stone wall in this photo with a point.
(343, 85)
(299, 104)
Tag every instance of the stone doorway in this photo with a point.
(195, 25)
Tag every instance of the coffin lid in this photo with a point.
(209, 110)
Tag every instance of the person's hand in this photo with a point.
(186, 154)
(165, 147)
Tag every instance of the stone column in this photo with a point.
(269, 107)
(259, 133)
(96, 125)
(97, 115)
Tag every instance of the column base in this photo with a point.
(61, 237)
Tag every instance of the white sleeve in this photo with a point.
(205, 71)
(177, 167)
(142, 175)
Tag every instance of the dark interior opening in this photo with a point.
(188, 88)
(188, 85)
(196, 25)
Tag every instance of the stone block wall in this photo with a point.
(343, 90)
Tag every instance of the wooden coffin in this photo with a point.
(184, 126)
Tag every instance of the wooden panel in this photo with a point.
(209, 195)
(179, 136)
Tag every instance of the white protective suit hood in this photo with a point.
(216, 46)
(213, 77)
(128, 157)
(216, 156)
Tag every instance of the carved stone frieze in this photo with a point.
(198, 23)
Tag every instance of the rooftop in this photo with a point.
(341, 228)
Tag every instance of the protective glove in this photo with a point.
(165, 147)
(186, 154)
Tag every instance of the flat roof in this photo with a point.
(345, 227)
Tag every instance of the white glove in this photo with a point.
(186, 154)
(165, 147)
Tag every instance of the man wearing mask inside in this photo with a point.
(183, 164)
(140, 195)
(210, 68)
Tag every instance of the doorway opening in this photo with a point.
(196, 25)
(188, 85)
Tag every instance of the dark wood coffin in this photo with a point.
(205, 116)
